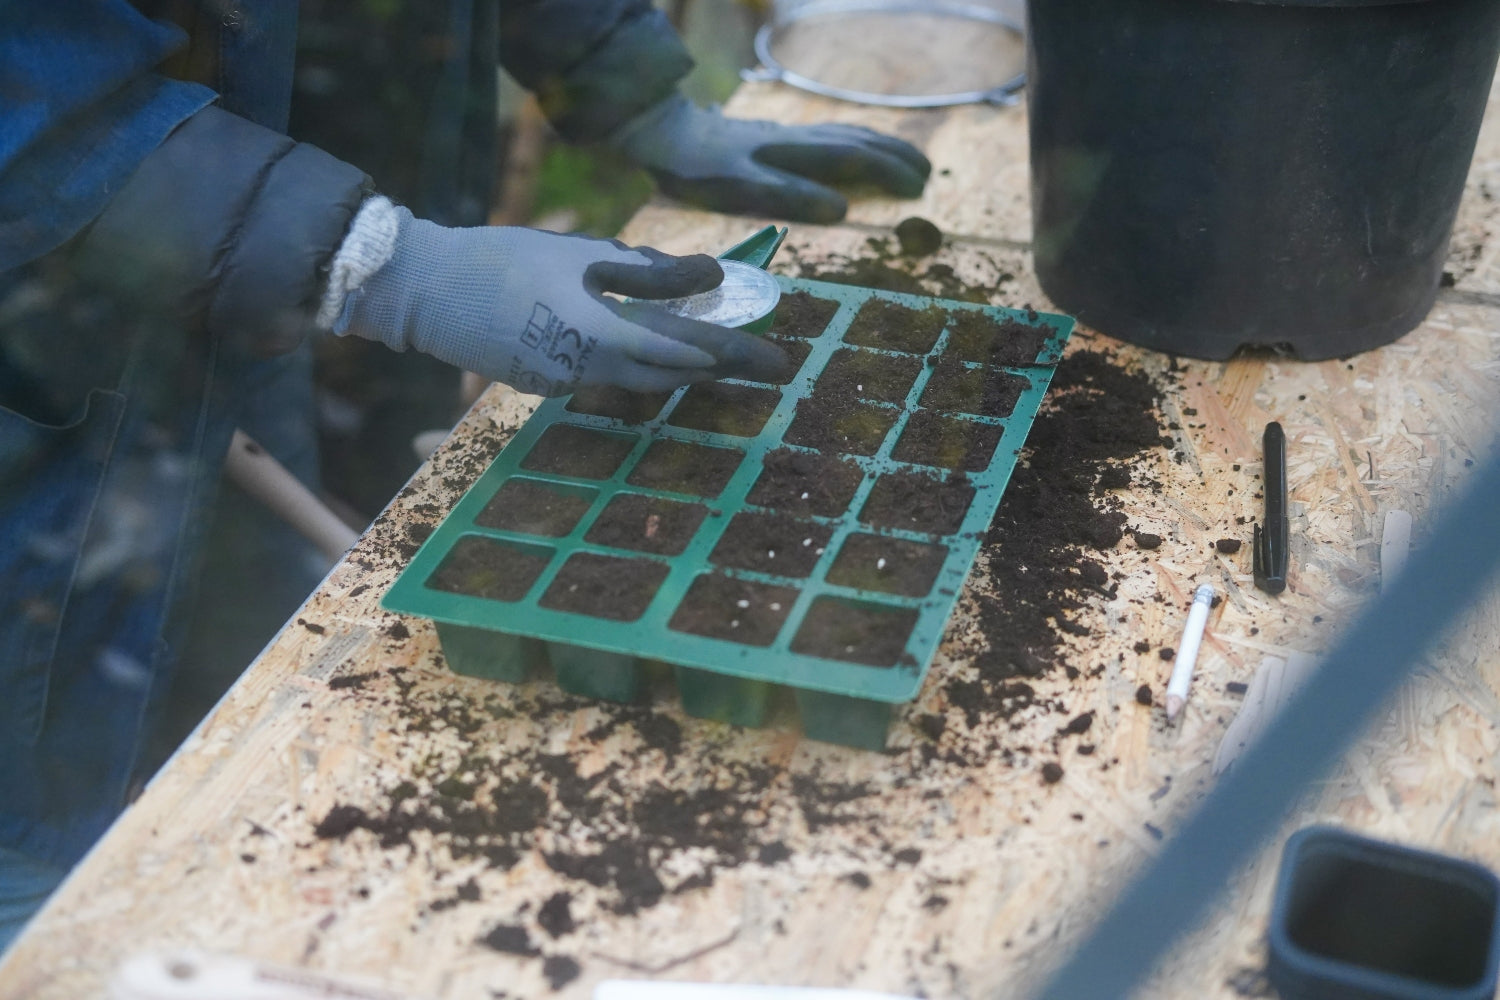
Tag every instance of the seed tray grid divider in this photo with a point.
(649, 636)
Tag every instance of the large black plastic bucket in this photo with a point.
(1211, 174)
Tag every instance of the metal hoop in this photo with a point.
(1006, 93)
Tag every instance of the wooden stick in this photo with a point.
(253, 470)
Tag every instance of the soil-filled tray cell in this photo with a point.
(917, 502)
(722, 607)
(895, 327)
(974, 336)
(569, 450)
(680, 467)
(799, 314)
(646, 524)
(802, 482)
(855, 631)
(833, 422)
(622, 404)
(724, 408)
(605, 586)
(884, 378)
(947, 442)
(771, 543)
(988, 392)
(889, 565)
(532, 507)
(489, 568)
(796, 352)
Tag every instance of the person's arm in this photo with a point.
(238, 230)
(607, 70)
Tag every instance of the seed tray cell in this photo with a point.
(620, 528)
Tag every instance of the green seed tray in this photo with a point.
(829, 630)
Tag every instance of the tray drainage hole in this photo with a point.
(578, 452)
(888, 565)
(533, 507)
(861, 632)
(722, 607)
(605, 586)
(490, 568)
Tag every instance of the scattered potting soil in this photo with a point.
(556, 914)
(579, 452)
(894, 327)
(975, 336)
(1098, 416)
(1228, 546)
(800, 314)
(834, 422)
(489, 568)
(986, 392)
(803, 482)
(872, 634)
(725, 408)
(918, 237)
(680, 467)
(622, 404)
(771, 543)
(947, 442)
(883, 378)
(918, 502)
(646, 524)
(535, 508)
(605, 586)
(723, 607)
(891, 565)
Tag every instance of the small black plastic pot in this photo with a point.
(1212, 174)
(1362, 919)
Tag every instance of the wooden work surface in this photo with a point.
(947, 866)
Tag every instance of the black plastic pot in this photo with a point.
(1211, 174)
(1362, 919)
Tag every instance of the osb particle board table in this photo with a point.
(947, 866)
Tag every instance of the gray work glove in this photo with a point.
(527, 307)
(763, 168)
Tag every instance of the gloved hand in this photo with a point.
(763, 168)
(526, 307)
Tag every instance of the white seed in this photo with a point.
(770, 553)
(806, 542)
(735, 623)
(804, 496)
(880, 564)
(818, 551)
(775, 606)
(859, 388)
(742, 604)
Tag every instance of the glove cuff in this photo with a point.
(368, 246)
(640, 138)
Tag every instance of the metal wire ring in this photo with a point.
(770, 70)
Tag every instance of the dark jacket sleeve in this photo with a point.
(229, 225)
(593, 64)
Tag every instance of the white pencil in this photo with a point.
(1187, 652)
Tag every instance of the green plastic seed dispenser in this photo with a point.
(812, 535)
